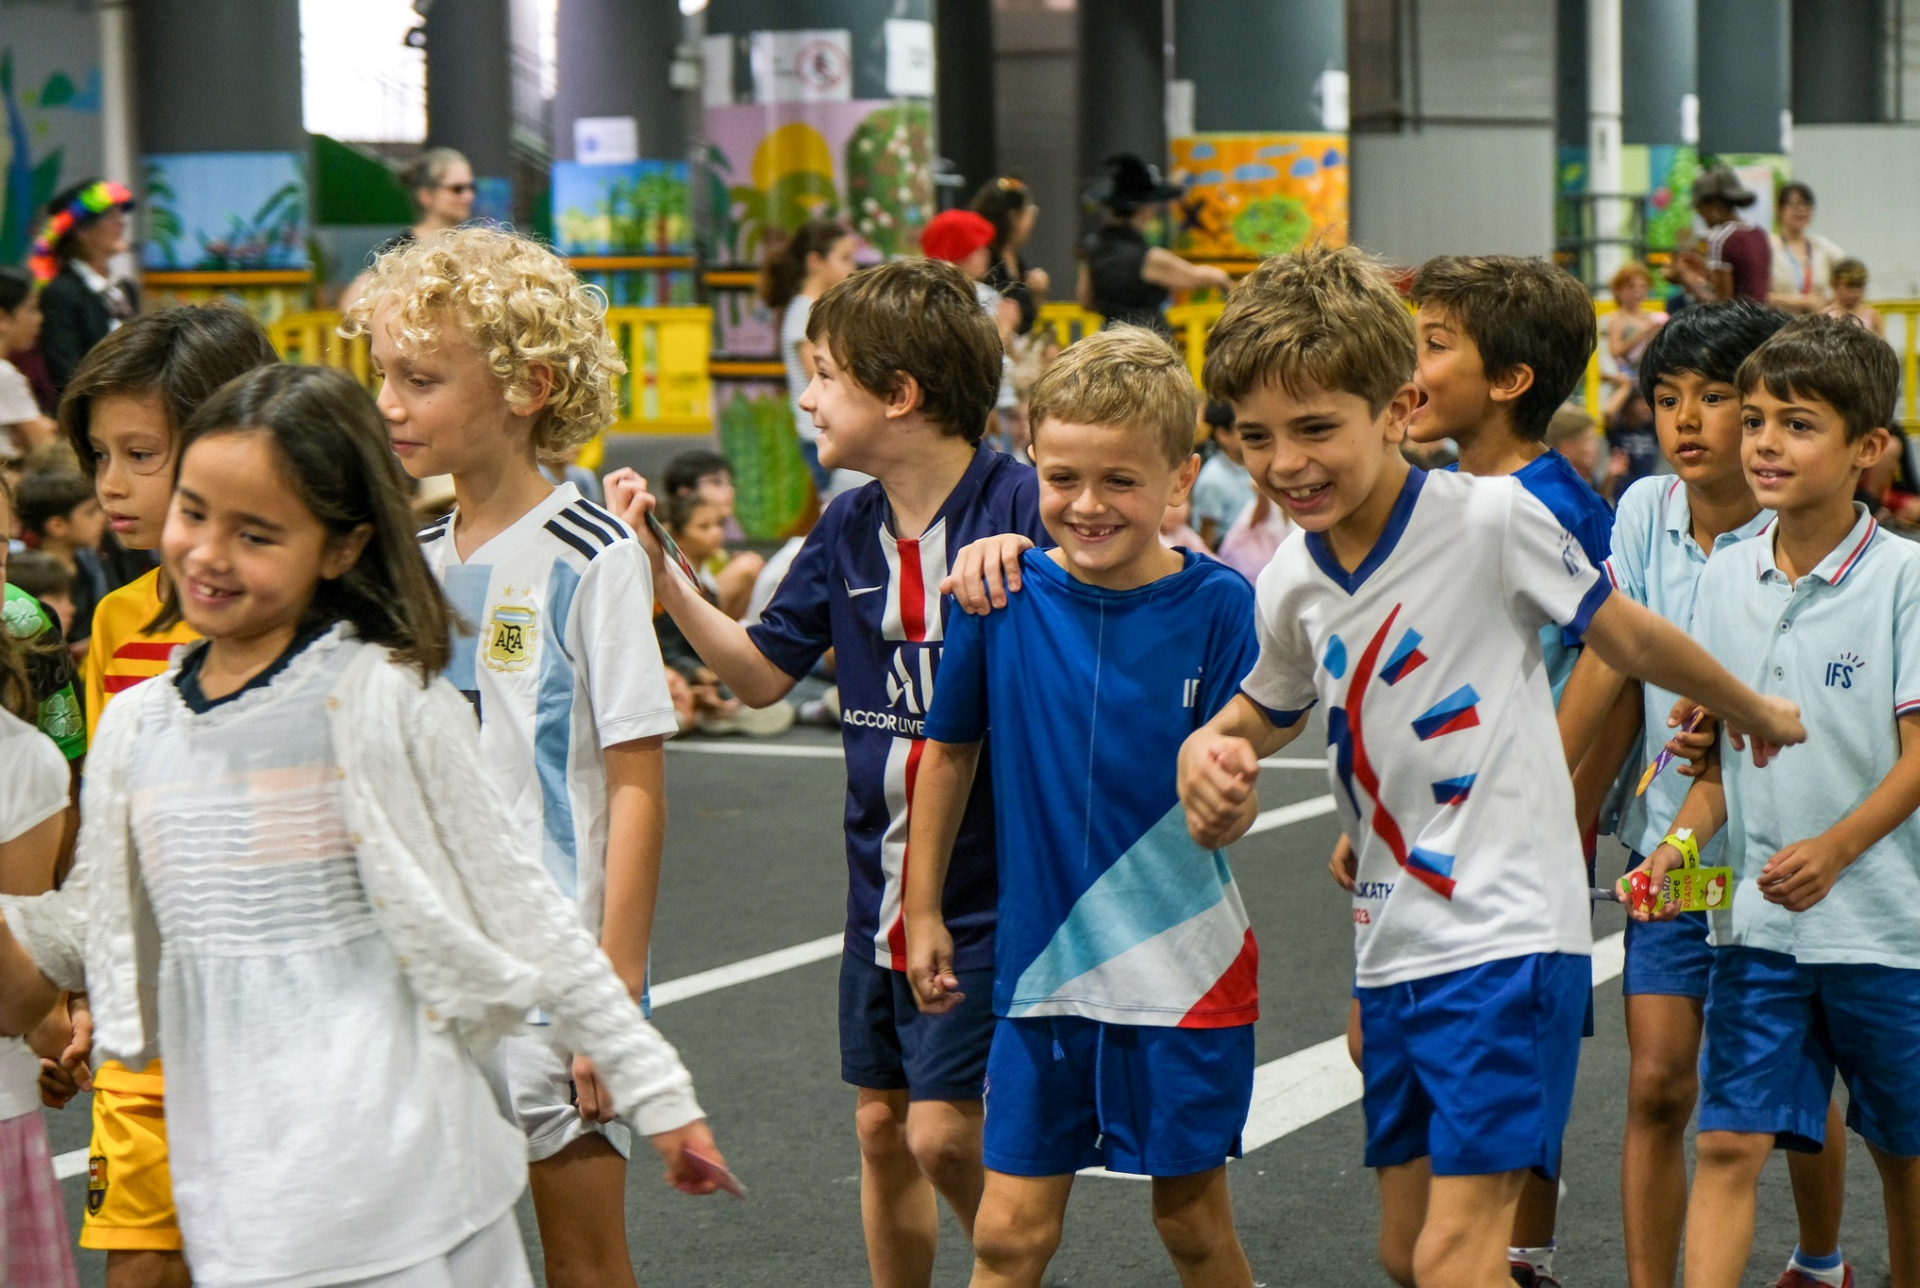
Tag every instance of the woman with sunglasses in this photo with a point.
(440, 182)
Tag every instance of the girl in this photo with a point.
(20, 416)
(1630, 328)
(798, 271)
(1007, 205)
(1849, 283)
(290, 880)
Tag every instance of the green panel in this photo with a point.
(350, 187)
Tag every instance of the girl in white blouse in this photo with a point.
(290, 882)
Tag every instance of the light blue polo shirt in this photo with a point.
(1656, 562)
(1843, 643)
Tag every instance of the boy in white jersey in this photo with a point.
(494, 356)
(1413, 604)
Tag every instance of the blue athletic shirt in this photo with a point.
(874, 599)
(1108, 910)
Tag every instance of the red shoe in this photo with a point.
(1791, 1278)
(1527, 1277)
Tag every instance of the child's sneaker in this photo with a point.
(1527, 1277)
(1793, 1277)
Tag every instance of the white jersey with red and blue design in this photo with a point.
(873, 597)
(1443, 749)
(1108, 909)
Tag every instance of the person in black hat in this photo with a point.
(86, 227)
(1736, 260)
(1121, 277)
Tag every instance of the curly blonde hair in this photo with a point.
(522, 308)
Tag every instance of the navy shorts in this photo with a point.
(888, 1044)
(1777, 1030)
(1065, 1093)
(1474, 1068)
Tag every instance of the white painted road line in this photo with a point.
(710, 981)
(1297, 812)
(796, 750)
(1295, 762)
(70, 1164)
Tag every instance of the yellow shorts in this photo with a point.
(129, 1185)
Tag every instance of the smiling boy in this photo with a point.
(1420, 598)
(1123, 960)
(1817, 963)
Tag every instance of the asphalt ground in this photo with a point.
(755, 864)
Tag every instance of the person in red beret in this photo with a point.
(965, 239)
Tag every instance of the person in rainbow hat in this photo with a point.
(86, 227)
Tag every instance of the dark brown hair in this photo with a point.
(999, 201)
(1835, 360)
(783, 268)
(17, 692)
(1518, 312)
(919, 318)
(179, 355)
(332, 448)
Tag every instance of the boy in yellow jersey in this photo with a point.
(122, 412)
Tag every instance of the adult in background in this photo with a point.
(86, 227)
(1736, 259)
(1122, 278)
(440, 183)
(1803, 261)
(1010, 208)
(797, 269)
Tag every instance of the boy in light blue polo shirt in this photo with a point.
(1818, 960)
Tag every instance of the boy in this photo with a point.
(122, 412)
(48, 580)
(1664, 532)
(1223, 491)
(565, 678)
(1817, 963)
(1571, 433)
(1135, 1051)
(907, 368)
(1421, 597)
(60, 511)
(705, 473)
(1849, 282)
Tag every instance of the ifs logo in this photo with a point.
(1840, 671)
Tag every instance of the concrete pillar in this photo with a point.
(613, 59)
(1838, 48)
(1257, 64)
(1570, 92)
(470, 82)
(217, 76)
(964, 72)
(1122, 82)
(1745, 75)
(1659, 52)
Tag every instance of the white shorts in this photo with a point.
(493, 1258)
(532, 1077)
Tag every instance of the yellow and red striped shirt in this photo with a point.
(122, 652)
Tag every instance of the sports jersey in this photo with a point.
(123, 652)
(1656, 562)
(1843, 644)
(49, 671)
(1108, 910)
(873, 597)
(1443, 750)
(561, 665)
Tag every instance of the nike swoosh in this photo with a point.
(864, 590)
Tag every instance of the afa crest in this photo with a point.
(511, 629)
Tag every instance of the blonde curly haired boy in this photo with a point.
(494, 357)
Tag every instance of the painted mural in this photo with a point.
(49, 116)
(222, 212)
(1253, 195)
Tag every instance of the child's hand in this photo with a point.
(1778, 727)
(1642, 889)
(590, 1094)
(1344, 866)
(984, 572)
(63, 1079)
(936, 989)
(1692, 746)
(630, 501)
(1217, 776)
(672, 1147)
(1803, 873)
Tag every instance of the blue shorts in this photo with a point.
(1474, 1068)
(1065, 1093)
(888, 1044)
(1671, 958)
(1776, 1030)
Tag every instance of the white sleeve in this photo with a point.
(1281, 682)
(1544, 571)
(614, 642)
(34, 787)
(16, 396)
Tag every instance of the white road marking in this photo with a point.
(1297, 812)
(1295, 762)
(710, 981)
(1298, 1090)
(832, 751)
(70, 1164)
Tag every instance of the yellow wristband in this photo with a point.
(1681, 839)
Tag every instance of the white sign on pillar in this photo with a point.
(909, 58)
(606, 140)
(716, 82)
(801, 66)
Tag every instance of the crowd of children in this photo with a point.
(378, 813)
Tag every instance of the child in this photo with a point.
(1629, 329)
(708, 474)
(1077, 677)
(1224, 491)
(1570, 433)
(1817, 964)
(289, 861)
(122, 412)
(1176, 533)
(1422, 596)
(1849, 282)
(798, 270)
(21, 419)
(60, 516)
(493, 357)
(48, 580)
(907, 368)
(32, 626)
(1664, 532)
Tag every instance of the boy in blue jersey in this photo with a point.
(1125, 971)
(1412, 604)
(1664, 532)
(907, 372)
(1817, 961)
(493, 356)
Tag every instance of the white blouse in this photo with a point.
(33, 788)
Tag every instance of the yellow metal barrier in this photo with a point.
(1191, 322)
(668, 388)
(1908, 346)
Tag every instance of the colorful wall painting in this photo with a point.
(633, 208)
(773, 492)
(215, 212)
(1253, 195)
(49, 115)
